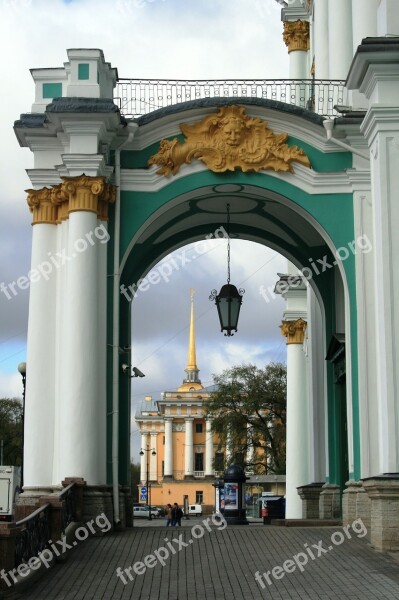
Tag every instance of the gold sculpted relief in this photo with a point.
(226, 141)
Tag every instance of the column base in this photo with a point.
(310, 496)
(383, 492)
(329, 502)
(355, 504)
(27, 502)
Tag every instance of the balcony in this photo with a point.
(199, 474)
(138, 97)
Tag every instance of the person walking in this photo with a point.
(178, 514)
(169, 515)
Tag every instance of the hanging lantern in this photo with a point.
(229, 299)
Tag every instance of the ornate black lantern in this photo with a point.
(229, 299)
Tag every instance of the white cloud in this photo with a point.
(161, 38)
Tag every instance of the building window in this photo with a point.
(199, 497)
(198, 428)
(199, 462)
(219, 461)
(163, 468)
(83, 71)
(163, 441)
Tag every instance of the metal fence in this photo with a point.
(137, 97)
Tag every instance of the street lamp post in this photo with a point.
(153, 453)
(22, 370)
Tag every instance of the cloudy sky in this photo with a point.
(179, 39)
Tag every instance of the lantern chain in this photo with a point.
(228, 243)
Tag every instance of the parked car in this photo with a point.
(161, 510)
(143, 510)
(194, 509)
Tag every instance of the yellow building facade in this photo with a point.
(178, 449)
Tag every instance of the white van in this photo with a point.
(194, 509)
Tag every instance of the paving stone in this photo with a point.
(222, 565)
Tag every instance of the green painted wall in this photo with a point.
(333, 212)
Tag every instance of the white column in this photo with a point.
(388, 18)
(340, 38)
(189, 447)
(62, 278)
(320, 40)
(143, 458)
(153, 457)
(209, 470)
(80, 446)
(40, 370)
(297, 444)
(364, 20)
(100, 241)
(168, 465)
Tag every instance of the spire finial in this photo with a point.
(192, 382)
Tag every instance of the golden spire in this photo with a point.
(192, 359)
(192, 382)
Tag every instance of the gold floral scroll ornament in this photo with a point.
(226, 141)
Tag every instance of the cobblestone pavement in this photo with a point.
(221, 564)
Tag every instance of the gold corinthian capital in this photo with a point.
(294, 331)
(296, 35)
(41, 206)
(83, 193)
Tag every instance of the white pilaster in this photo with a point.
(153, 457)
(340, 38)
(40, 370)
(209, 470)
(366, 322)
(189, 447)
(168, 465)
(317, 390)
(379, 80)
(143, 458)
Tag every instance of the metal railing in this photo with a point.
(35, 534)
(68, 511)
(137, 97)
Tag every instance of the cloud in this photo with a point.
(177, 39)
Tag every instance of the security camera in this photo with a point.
(137, 372)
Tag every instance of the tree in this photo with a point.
(11, 430)
(249, 410)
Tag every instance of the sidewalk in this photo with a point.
(221, 564)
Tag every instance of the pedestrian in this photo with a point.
(177, 514)
(169, 516)
(174, 514)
